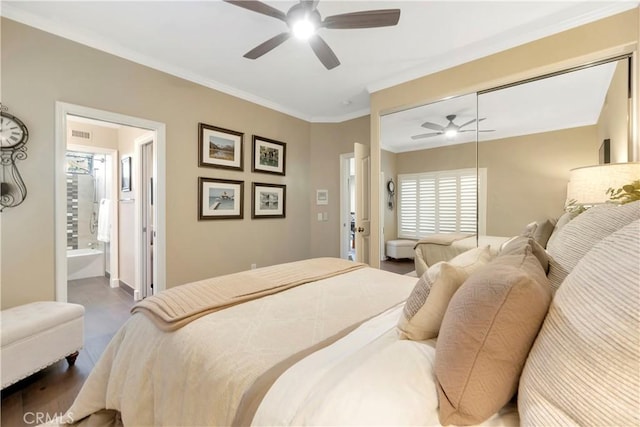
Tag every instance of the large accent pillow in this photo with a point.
(486, 334)
(425, 307)
(576, 238)
(584, 366)
(561, 222)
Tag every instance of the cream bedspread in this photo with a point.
(178, 306)
(199, 374)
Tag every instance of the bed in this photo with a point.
(445, 246)
(316, 342)
(314, 352)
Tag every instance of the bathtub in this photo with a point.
(83, 263)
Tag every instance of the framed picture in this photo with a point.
(268, 200)
(269, 156)
(125, 181)
(219, 148)
(322, 197)
(604, 153)
(220, 199)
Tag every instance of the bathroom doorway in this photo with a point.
(110, 176)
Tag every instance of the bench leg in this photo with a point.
(71, 359)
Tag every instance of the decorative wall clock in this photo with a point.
(13, 139)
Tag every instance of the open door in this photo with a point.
(363, 196)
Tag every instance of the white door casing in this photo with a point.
(363, 197)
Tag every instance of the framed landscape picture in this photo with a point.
(269, 156)
(220, 198)
(268, 200)
(125, 179)
(219, 148)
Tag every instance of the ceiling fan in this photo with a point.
(304, 20)
(450, 129)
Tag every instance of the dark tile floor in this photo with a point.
(51, 391)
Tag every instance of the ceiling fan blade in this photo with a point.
(366, 19)
(323, 52)
(267, 46)
(310, 4)
(426, 135)
(481, 130)
(467, 123)
(259, 7)
(433, 126)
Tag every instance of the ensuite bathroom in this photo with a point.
(88, 209)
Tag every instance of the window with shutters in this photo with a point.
(439, 202)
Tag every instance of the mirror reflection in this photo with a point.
(543, 129)
(527, 138)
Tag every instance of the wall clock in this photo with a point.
(13, 137)
(13, 133)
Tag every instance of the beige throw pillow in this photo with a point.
(584, 366)
(487, 331)
(425, 307)
(543, 232)
(518, 245)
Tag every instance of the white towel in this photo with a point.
(104, 220)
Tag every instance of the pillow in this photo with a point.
(473, 258)
(425, 307)
(517, 246)
(583, 368)
(562, 221)
(576, 238)
(486, 334)
(529, 229)
(543, 232)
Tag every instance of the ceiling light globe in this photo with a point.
(303, 29)
(450, 133)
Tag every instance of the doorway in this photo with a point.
(347, 206)
(137, 263)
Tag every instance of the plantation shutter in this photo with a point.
(437, 202)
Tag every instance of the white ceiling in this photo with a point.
(559, 102)
(204, 42)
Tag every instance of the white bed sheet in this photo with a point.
(369, 377)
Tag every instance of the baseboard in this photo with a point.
(128, 289)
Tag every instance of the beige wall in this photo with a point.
(39, 69)
(328, 141)
(613, 121)
(101, 136)
(527, 175)
(604, 38)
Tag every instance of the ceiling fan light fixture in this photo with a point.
(303, 28)
(450, 133)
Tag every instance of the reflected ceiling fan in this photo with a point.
(450, 129)
(304, 20)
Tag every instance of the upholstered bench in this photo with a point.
(37, 335)
(400, 249)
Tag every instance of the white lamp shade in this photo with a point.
(588, 185)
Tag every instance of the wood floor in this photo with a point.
(400, 266)
(50, 392)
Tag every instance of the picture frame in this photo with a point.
(220, 199)
(268, 200)
(125, 174)
(220, 148)
(322, 197)
(269, 156)
(604, 153)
